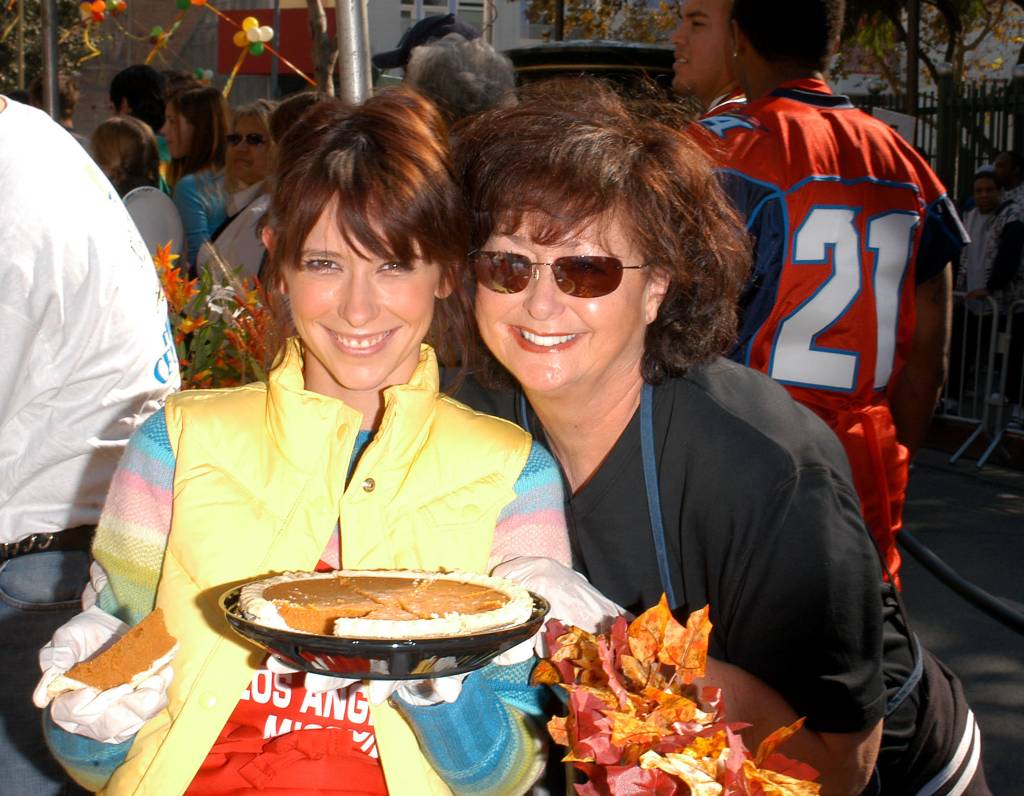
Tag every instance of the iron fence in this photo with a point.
(985, 388)
(962, 126)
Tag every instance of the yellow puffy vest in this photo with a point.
(259, 484)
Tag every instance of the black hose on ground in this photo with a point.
(978, 597)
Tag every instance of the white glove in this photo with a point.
(431, 691)
(76, 640)
(315, 683)
(573, 601)
(97, 580)
(115, 715)
(110, 716)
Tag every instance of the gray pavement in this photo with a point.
(974, 520)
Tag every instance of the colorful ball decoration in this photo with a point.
(156, 35)
(204, 75)
(253, 35)
(258, 38)
(183, 5)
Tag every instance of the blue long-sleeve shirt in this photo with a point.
(200, 200)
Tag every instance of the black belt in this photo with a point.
(79, 538)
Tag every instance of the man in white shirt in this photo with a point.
(86, 355)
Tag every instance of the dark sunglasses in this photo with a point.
(252, 139)
(582, 276)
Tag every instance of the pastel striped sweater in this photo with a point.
(486, 742)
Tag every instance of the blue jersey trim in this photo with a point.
(817, 98)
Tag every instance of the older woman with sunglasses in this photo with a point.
(250, 158)
(608, 269)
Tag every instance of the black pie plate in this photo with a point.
(379, 659)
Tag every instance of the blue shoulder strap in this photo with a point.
(650, 482)
(651, 486)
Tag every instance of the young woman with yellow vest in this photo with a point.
(348, 456)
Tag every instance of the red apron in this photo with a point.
(880, 466)
(281, 739)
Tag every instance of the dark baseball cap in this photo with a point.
(427, 29)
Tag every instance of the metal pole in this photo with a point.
(51, 95)
(488, 22)
(948, 130)
(1017, 93)
(559, 32)
(353, 51)
(273, 61)
(21, 44)
(913, 52)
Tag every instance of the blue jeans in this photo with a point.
(38, 593)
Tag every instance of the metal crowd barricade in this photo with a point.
(1009, 414)
(969, 395)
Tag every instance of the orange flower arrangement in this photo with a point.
(639, 723)
(220, 330)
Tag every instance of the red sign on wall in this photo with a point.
(292, 41)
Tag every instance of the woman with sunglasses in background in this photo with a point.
(250, 159)
(608, 269)
(348, 457)
(196, 126)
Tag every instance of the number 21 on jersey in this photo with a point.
(830, 236)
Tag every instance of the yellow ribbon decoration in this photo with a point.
(234, 71)
(162, 41)
(93, 51)
(8, 29)
(127, 32)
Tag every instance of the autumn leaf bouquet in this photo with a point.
(220, 324)
(639, 723)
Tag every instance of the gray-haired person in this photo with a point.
(462, 77)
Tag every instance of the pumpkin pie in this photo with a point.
(386, 604)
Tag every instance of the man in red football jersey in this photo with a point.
(703, 64)
(848, 306)
(849, 300)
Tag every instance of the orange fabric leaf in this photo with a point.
(773, 783)
(775, 740)
(687, 647)
(647, 632)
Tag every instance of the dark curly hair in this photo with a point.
(385, 166)
(573, 152)
(803, 32)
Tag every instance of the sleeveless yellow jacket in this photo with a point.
(259, 484)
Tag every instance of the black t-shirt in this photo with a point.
(761, 522)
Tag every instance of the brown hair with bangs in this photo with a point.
(574, 153)
(207, 111)
(384, 167)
